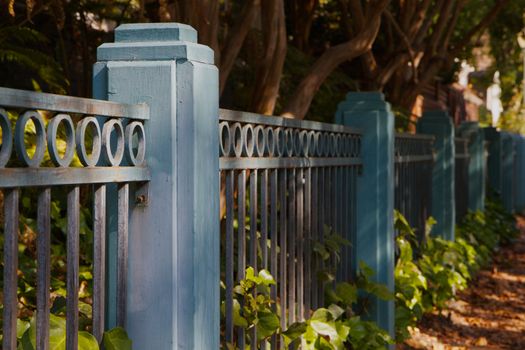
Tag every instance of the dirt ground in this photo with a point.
(490, 314)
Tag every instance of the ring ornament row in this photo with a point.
(113, 142)
(237, 140)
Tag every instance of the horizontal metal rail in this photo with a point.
(414, 136)
(414, 158)
(232, 163)
(59, 103)
(34, 177)
(461, 146)
(252, 118)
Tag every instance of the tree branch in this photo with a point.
(236, 39)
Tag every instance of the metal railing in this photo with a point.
(461, 181)
(414, 158)
(297, 180)
(110, 142)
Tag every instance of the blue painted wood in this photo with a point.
(374, 238)
(173, 277)
(492, 135)
(508, 171)
(477, 171)
(520, 170)
(439, 124)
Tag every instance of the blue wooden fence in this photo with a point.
(158, 256)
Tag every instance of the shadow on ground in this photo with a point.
(490, 314)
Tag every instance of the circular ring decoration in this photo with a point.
(52, 130)
(249, 142)
(224, 139)
(353, 146)
(288, 142)
(260, 141)
(279, 142)
(139, 158)
(40, 146)
(297, 144)
(338, 145)
(309, 148)
(331, 144)
(109, 126)
(323, 144)
(315, 144)
(304, 142)
(270, 141)
(7, 138)
(237, 139)
(82, 126)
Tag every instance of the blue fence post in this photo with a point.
(439, 124)
(476, 171)
(374, 240)
(494, 161)
(507, 168)
(520, 170)
(173, 277)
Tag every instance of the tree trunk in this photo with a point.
(236, 39)
(300, 102)
(266, 87)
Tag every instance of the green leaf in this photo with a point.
(295, 331)
(117, 339)
(87, 341)
(21, 327)
(266, 277)
(347, 292)
(322, 314)
(267, 324)
(238, 320)
(336, 311)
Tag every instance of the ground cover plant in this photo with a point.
(428, 280)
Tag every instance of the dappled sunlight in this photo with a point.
(488, 315)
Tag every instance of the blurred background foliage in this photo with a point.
(50, 45)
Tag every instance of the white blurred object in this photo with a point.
(494, 104)
(466, 69)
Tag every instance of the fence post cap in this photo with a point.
(138, 32)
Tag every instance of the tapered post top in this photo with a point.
(155, 41)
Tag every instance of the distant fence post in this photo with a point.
(439, 124)
(476, 170)
(493, 136)
(374, 241)
(173, 277)
(508, 171)
(520, 170)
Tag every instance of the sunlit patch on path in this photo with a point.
(490, 314)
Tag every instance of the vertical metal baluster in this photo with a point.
(99, 260)
(354, 175)
(11, 214)
(314, 236)
(122, 255)
(322, 223)
(264, 218)
(292, 278)
(229, 183)
(282, 256)
(274, 242)
(73, 230)
(241, 240)
(307, 243)
(43, 268)
(344, 223)
(337, 212)
(300, 243)
(253, 240)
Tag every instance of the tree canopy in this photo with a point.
(291, 57)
